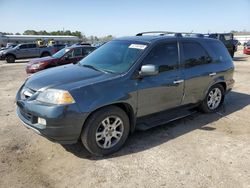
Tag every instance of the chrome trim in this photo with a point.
(178, 81)
(212, 74)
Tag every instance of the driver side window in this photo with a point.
(70, 54)
(165, 56)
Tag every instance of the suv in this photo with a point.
(227, 40)
(67, 55)
(23, 51)
(129, 83)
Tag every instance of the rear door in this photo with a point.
(33, 50)
(198, 70)
(165, 90)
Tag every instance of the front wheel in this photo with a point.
(214, 99)
(105, 131)
(10, 59)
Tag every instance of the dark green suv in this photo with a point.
(129, 83)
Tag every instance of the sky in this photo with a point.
(124, 17)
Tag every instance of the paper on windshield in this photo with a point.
(138, 46)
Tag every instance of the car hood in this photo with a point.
(42, 59)
(64, 75)
(5, 51)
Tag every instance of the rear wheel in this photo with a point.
(105, 131)
(214, 99)
(10, 58)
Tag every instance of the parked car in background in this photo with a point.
(67, 55)
(246, 49)
(57, 47)
(227, 39)
(22, 51)
(129, 83)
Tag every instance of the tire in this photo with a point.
(44, 54)
(96, 135)
(10, 58)
(232, 54)
(207, 106)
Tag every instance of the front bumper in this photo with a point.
(63, 122)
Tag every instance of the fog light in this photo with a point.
(41, 121)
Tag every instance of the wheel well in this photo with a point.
(130, 112)
(11, 55)
(224, 85)
(126, 108)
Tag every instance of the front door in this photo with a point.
(165, 90)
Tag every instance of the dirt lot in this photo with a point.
(203, 150)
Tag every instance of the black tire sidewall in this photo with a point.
(10, 59)
(88, 134)
(204, 105)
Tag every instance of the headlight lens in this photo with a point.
(55, 96)
(35, 66)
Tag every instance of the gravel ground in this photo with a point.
(203, 150)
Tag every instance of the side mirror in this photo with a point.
(149, 70)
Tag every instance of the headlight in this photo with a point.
(35, 66)
(55, 96)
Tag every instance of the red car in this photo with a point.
(247, 48)
(67, 55)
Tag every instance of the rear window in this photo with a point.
(220, 53)
(194, 54)
(31, 45)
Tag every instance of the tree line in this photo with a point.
(79, 34)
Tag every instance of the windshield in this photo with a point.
(114, 56)
(61, 53)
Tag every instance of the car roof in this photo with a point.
(79, 46)
(154, 38)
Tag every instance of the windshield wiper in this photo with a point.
(92, 67)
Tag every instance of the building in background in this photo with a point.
(46, 39)
(242, 38)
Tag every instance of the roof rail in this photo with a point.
(177, 34)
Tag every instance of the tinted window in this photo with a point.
(77, 52)
(23, 46)
(32, 45)
(163, 55)
(194, 54)
(87, 51)
(220, 52)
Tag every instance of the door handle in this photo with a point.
(212, 74)
(178, 81)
